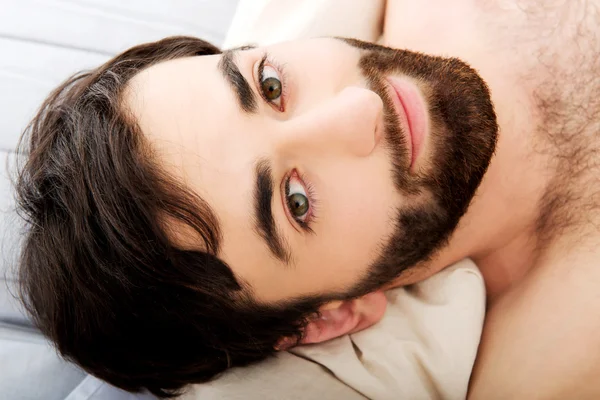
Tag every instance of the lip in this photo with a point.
(410, 109)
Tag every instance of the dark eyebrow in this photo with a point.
(264, 223)
(231, 72)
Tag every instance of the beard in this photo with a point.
(462, 137)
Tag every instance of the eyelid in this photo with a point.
(310, 195)
(267, 60)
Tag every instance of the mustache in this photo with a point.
(459, 107)
(375, 63)
(395, 137)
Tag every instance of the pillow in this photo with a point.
(423, 348)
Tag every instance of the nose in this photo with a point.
(350, 122)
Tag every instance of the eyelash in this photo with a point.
(267, 60)
(311, 214)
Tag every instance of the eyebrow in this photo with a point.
(231, 72)
(264, 222)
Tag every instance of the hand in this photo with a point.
(272, 21)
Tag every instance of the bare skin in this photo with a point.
(539, 251)
(532, 226)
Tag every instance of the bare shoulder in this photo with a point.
(542, 339)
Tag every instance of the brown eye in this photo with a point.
(298, 201)
(271, 87)
(298, 204)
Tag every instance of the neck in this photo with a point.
(539, 202)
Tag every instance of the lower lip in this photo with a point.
(410, 107)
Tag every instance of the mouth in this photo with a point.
(410, 109)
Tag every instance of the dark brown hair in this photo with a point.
(98, 272)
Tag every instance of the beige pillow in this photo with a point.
(423, 348)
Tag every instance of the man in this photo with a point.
(193, 211)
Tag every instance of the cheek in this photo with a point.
(357, 220)
(362, 217)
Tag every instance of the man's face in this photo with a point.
(332, 165)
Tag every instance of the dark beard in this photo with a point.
(463, 134)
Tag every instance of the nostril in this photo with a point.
(378, 133)
(379, 129)
(379, 124)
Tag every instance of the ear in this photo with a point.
(341, 318)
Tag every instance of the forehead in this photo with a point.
(190, 117)
(162, 96)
